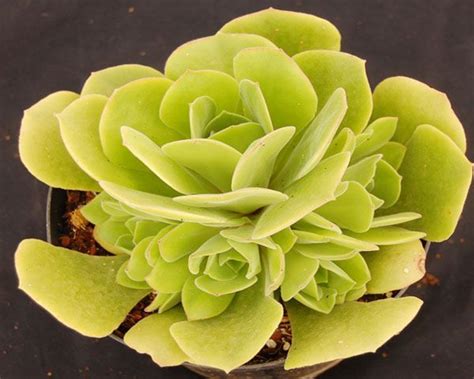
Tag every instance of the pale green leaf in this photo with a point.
(303, 199)
(326, 251)
(137, 267)
(394, 219)
(172, 173)
(363, 171)
(299, 271)
(387, 235)
(330, 70)
(104, 82)
(135, 105)
(255, 166)
(168, 277)
(393, 153)
(223, 120)
(184, 239)
(224, 287)
(78, 289)
(415, 103)
(239, 136)
(352, 210)
(382, 130)
(152, 336)
(387, 184)
(79, 124)
(93, 211)
(319, 338)
(255, 105)
(436, 180)
(42, 150)
(273, 263)
(395, 267)
(213, 160)
(245, 200)
(288, 93)
(210, 53)
(292, 31)
(201, 111)
(220, 87)
(200, 305)
(314, 142)
(164, 207)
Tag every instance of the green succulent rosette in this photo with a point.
(259, 170)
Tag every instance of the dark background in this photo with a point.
(46, 46)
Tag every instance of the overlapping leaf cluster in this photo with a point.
(259, 168)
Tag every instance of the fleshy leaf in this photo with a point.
(42, 150)
(321, 222)
(137, 266)
(135, 105)
(220, 87)
(345, 140)
(172, 173)
(244, 234)
(292, 31)
(200, 305)
(224, 287)
(245, 200)
(223, 120)
(415, 103)
(299, 271)
(93, 211)
(123, 279)
(201, 111)
(250, 254)
(184, 239)
(79, 124)
(393, 153)
(387, 184)
(303, 199)
(151, 335)
(213, 160)
(352, 210)
(314, 142)
(381, 131)
(233, 337)
(286, 239)
(330, 70)
(239, 136)
(319, 338)
(326, 251)
(394, 219)
(255, 105)
(78, 289)
(164, 207)
(105, 81)
(273, 262)
(108, 233)
(363, 171)
(168, 277)
(395, 267)
(288, 93)
(255, 166)
(211, 53)
(436, 180)
(387, 235)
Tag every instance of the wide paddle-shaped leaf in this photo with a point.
(42, 150)
(292, 31)
(319, 338)
(78, 289)
(233, 337)
(151, 335)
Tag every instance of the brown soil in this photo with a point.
(77, 234)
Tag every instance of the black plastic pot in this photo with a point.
(55, 209)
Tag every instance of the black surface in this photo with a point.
(50, 45)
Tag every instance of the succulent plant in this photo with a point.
(259, 172)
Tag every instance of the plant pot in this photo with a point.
(55, 209)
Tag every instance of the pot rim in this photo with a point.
(255, 366)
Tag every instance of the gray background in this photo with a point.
(50, 45)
